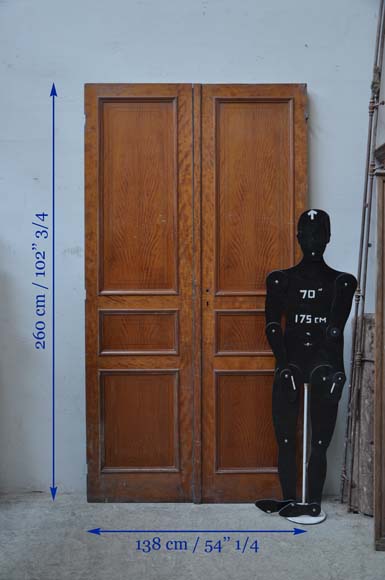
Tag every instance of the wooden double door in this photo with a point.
(193, 193)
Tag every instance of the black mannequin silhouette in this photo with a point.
(316, 301)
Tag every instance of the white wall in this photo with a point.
(329, 45)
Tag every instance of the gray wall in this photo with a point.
(329, 45)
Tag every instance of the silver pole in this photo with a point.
(304, 447)
(355, 362)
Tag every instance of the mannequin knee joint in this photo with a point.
(286, 442)
(319, 446)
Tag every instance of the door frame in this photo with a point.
(197, 293)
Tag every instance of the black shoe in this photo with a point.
(271, 506)
(294, 509)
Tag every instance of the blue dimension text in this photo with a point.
(39, 252)
(198, 544)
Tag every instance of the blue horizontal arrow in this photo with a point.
(99, 531)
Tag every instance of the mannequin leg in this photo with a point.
(323, 416)
(285, 415)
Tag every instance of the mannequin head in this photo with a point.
(313, 233)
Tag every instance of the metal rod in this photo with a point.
(304, 446)
(357, 391)
(355, 369)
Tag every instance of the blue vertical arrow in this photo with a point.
(53, 488)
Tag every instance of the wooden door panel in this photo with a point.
(243, 428)
(138, 146)
(240, 333)
(139, 414)
(138, 332)
(138, 227)
(253, 190)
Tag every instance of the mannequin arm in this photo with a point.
(276, 287)
(345, 286)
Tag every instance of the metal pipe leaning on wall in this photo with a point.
(358, 326)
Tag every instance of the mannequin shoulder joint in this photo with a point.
(346, 283)
(277, 281)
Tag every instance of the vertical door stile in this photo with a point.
(197, 292)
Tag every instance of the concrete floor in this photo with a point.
(42, 540)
